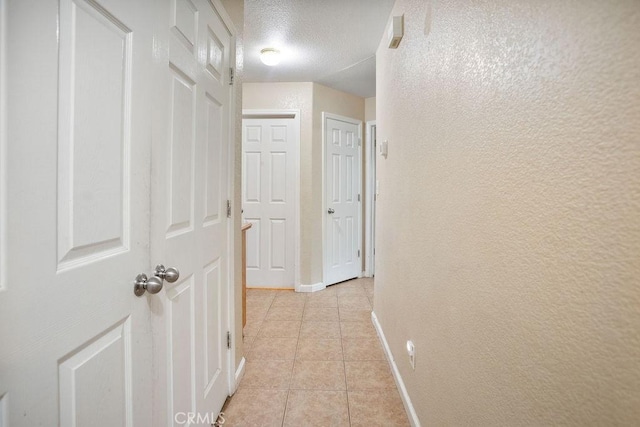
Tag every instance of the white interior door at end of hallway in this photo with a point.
(190, 189)
(342, 214)
(269, 199)
(76, 343)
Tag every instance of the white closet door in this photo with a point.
(270, 147)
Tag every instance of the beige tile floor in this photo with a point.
(314, 360)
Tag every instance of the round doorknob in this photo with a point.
(170, 274)
(144, 284)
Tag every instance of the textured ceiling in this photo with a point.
(332, 42)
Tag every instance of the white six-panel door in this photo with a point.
(75, 344)
(102, 93)
(189, 213)
(270, 147)
(342, 199)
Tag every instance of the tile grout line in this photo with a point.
(293, 365)
(344, 365)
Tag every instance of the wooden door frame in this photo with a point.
(295, 115)
(325, 117)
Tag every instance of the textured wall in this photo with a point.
(509, 211)
(292, 96)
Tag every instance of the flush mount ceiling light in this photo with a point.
(270, 56)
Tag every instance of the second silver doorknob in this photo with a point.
(170, 274)
(153, 284)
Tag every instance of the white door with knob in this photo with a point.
(342, 198)
(83, 214)
(189, 210)
(76, 343)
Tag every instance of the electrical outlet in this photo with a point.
(411, 350)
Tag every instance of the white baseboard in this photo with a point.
(406, 400)
(310, 288)
(239, 373)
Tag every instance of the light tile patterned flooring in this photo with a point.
(314, 360)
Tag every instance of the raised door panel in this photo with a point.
(184, 23)
(278, 177)
(215, 56)
(180, 328)
(100, 369)
(214, 161)
(213, 323)
(278, 244)
(347, 179)
(93, 143)
(335, 234)
(252, 177)
(181, 153)
(335, 178)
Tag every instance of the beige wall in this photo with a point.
(235, 9)
(311, 99)
(509, 211)
(369, 109)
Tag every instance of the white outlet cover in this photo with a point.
(411, 351)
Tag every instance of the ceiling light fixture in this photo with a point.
(270, 56)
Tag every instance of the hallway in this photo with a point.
(314, 359)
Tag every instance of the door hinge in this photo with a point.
(358, 197)
(358, 253)
(229, 340)
(359, 142)
(228, 208)
(231, 76)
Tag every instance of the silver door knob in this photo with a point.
(170, 274)
(331, 211)
(152, 285)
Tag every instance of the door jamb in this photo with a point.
(3, 144)
(232, 377)
(295, 115)
(325, 117)
(370, 186)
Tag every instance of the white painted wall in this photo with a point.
(508, 218)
